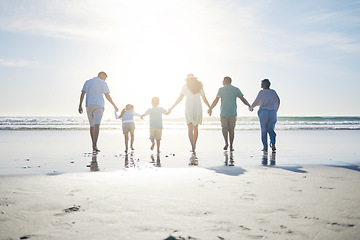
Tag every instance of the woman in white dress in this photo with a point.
(193, 90)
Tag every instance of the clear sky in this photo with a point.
(310, 51)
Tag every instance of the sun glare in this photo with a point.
(161, 50)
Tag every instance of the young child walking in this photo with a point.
(128, 124)
(156, 125)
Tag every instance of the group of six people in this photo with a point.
(267, 100)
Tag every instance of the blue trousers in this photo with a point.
(268, 119)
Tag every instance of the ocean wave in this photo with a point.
(213, 123)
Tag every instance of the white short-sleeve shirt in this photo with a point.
(95, 89)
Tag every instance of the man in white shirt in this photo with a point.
(94, 89)
(269, 102)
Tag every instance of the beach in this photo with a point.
(53, 187)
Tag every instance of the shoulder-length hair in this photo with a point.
(193, 84)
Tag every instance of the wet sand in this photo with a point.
(52, 188)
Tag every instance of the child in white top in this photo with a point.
(128, 125)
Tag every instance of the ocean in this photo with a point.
(209, 123)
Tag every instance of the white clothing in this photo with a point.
(193, 107)
(95, 89)
(128, 116)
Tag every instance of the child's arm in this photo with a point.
(116, 115)
(177, 102)
(137, 114)
(166, 112)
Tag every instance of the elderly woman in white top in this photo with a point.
(193, 90)
(269, 102)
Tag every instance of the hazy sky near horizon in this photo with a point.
(310, 51)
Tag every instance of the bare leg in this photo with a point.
(126, 135)
(158, 145)
(94, 133)
(225, 134)
(132, 140)
(92, 136)
(231, 136)
(196, 135)
(152, 144)
(191, 136)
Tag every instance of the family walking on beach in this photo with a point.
(267, 100)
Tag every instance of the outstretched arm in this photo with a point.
(107, 95)
(180, 98)
(205, 101)
(216, 100)
(244, 101)
(81, 100)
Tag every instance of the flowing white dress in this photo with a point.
(193, 107)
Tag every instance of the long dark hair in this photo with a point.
(193, 84)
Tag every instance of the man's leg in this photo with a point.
(158, 145)
(232, 123)
(92, 135)
(224, 129)
(96, 113)
(152, 144)
(95, 135)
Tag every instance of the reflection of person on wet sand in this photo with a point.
(265, 157)
(156, 125)
(227, 162)
(228, 95)
(158, 161)
(193, 90)
(94, 167)
(194, 161)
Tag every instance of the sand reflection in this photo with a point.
(229, 158)
(265, 158)
(94, 166)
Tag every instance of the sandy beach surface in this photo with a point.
(52, 188)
